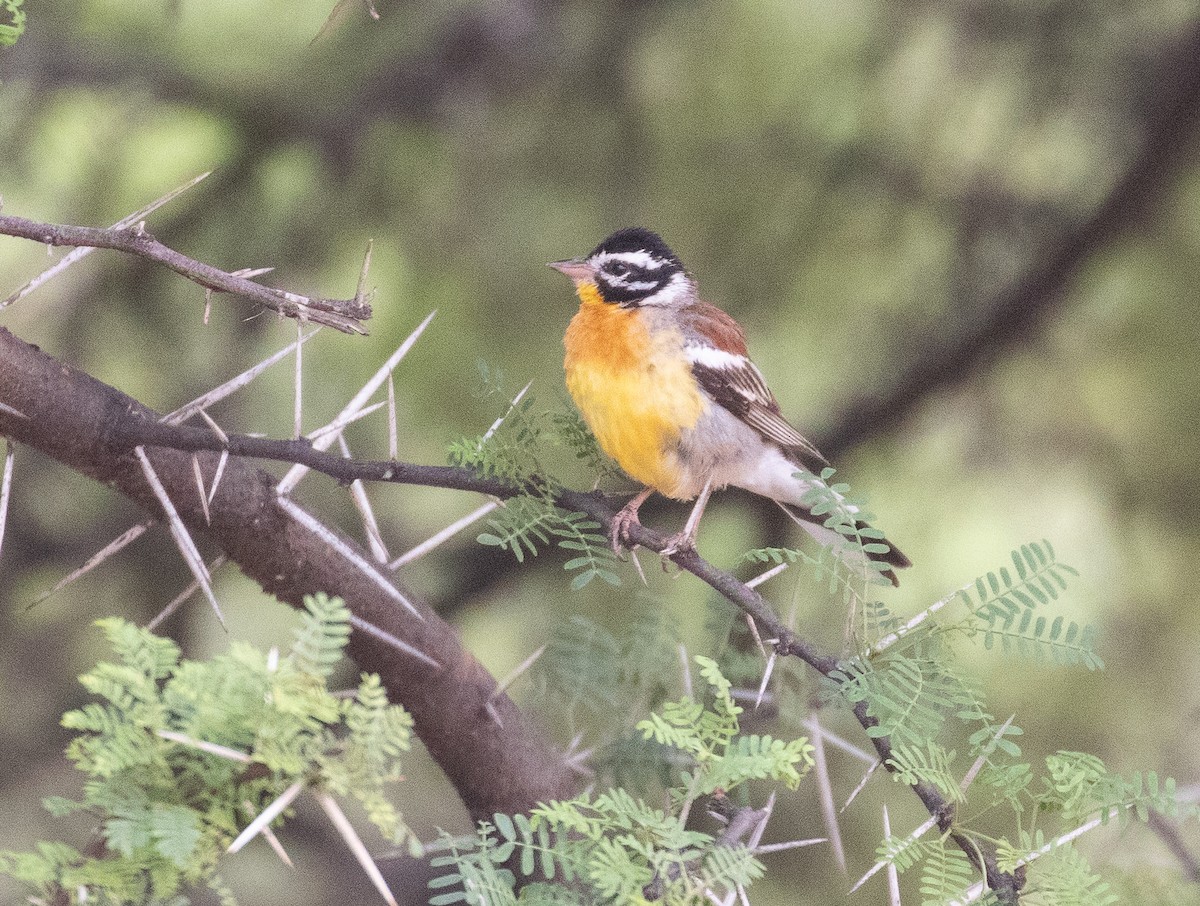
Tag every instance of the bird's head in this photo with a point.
(632, 268)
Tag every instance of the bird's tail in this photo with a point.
(846, 547)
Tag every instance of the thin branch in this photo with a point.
(345, 315)
(1168, 832)
(132, 432)
(1173, 93)
(71, 257)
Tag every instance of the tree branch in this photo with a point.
(1172, 107)
(102, 428)
(345, 315)
(502, 764)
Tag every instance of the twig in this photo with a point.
(73, 256)
(1168, 832)
(345, 315)
(292, 478)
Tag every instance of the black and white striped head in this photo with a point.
(632, 268)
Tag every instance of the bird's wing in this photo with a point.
(716, 349)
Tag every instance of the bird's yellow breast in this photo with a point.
(634, 387)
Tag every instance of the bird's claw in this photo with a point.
(679, 543)
(619, 533)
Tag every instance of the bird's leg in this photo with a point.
(626, 517)
(686, 540)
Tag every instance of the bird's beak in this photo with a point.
(576, 268)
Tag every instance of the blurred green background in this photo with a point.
(859, 183)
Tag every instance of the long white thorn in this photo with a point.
(970, 776)
(839, 743)
(769, 574)
(266, 816)
(348, 553)
(333, 430)
(516, 673)
(360, 292)
(893, 876)
(762, 687)
(760, 829)
(976, 890)
(178, 600)
(912, 838)
(211, 748)
(215, 428)
(862, 784)
(217, 475)
(298, 398)
(6, 487)
(893, 637)
(393, 436)
(214, 396)
(753, 627)
(790, 844)
(507, 412)
(354, 841)
(76, 254)
(183, 540)
(828, 812)
(387, 638)
(686, 663)
(359, 400)
(199, 476)
(444, 535)
(358, 493)
(269, 836)
(116, 545)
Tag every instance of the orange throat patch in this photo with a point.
(635, 389)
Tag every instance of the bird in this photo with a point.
(665, 383)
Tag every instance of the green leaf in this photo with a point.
(176, 832)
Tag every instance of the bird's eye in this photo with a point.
(618, 268)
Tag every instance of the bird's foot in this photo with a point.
(678, 543)
(618, 535)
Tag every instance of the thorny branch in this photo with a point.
(497, 760)
(120, 425)
(345, 315)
